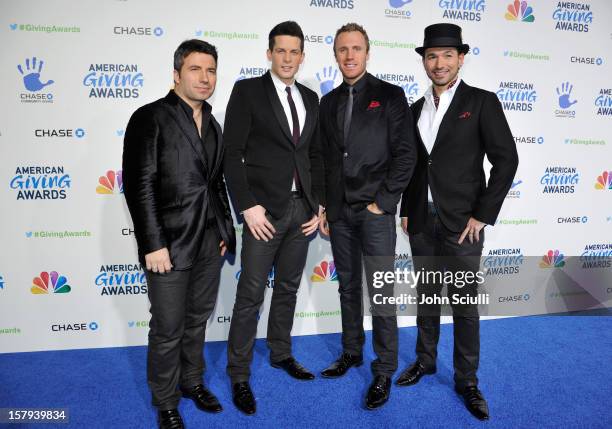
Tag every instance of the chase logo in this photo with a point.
(114, 80)
(560, 180)
(318, 38)
(572, 219)
(40, 183)
(78, 133)
(249, 72)
(110, 183)
(500, 262)
(75, 327)
(406, 82)
(564, 92)
(121, 279)
(514, 192)
(324, 272)
(571, 16)
(327, 79)
(528, 140)
(517, 96)
(269, 282)
(603, 102)
(50, 283)
(520, 11)
(30, 73)
(397, 9)
(597, 256)
(604, 181)
(553, 259)
(590, 61)
(462, 10)
(335, 4)
(138, 31)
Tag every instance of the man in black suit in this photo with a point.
(369, 151)
(274, 172)
(449, 200)
(174, 188)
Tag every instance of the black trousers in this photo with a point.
(436, 249)
(361, 239)
(181, 303)
(286, 251)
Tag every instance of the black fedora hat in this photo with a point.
(443, 35)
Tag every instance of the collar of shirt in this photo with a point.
(450, 92)
(357, 86)
(280, 85)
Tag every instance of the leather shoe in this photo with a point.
(243, 397)
(378, 393)
(294, 369)
(339, 367)
(203, 398)
(474, 402)
(170, 419)
(413, 374)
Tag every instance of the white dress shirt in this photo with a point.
(430, 119)
(299, 105)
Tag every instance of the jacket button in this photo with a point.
(346, 154)
(429, 162)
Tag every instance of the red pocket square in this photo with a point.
(465, 115)
(373, 105)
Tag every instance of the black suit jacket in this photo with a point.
(260, 157)
(167, 182)
(379, 158)
(474, 125)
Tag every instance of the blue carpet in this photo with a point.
(535, 372)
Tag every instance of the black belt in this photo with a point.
(297, 194)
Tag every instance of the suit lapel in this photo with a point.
(277, 107)
(219, 147)
(186, 126)
(449, 121)
(309, 122)
(360, 108)
(333, 117)
(416, 114)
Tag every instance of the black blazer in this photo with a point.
(260, 157)
(474, 125)
(167, 182)
(380, 155)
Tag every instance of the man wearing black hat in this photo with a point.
(448, 201)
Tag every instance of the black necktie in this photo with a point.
(295, 131)
(348, 114)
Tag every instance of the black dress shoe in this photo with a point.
(342, 365)
(378, 393)
(475, 402)
(243, 397)
(170, 419)
(203, 398)
(294, 369)
(413, 374)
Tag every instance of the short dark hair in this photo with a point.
(190, 46)
(287, 28)
(352, 26)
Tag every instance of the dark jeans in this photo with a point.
(181, 303)
(436, 249)
(362, 237)
(286, 251)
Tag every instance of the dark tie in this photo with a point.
(348, 114)
(295, 131)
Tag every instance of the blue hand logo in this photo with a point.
(31, 76)
(1, 282)
(327, 82)
(564, 95)
(398, 3)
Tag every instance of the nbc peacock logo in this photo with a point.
(110, 183)
(604, 181)
(47, 283)
(553, 259)
(324, 272)
(520, 11)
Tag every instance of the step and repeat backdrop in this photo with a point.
(72, 73)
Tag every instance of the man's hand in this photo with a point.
(472, 230)
(405, 225)
(323, 225)
(158, 261)
(373, 207)
(312, 225)
(223, 247)
(260, 227)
